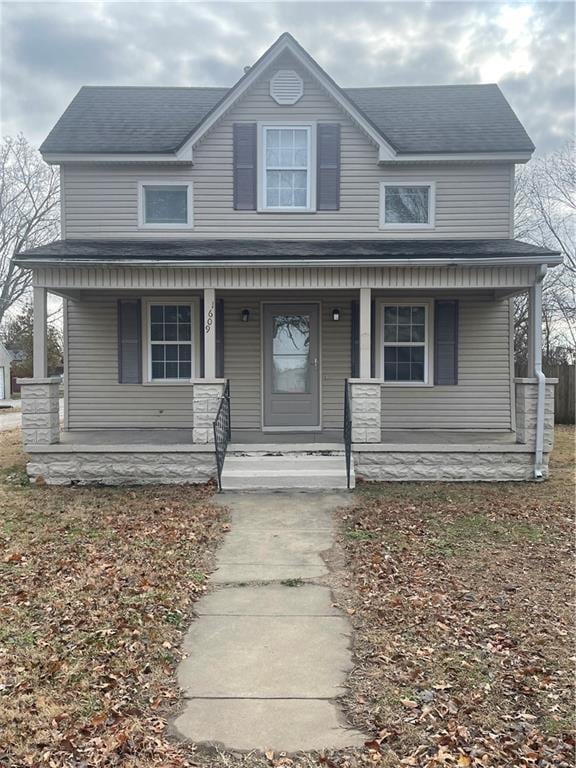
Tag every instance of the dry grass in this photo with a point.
(96, 588)
(462, 600)
(461, 596)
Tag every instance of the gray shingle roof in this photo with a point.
(242, 250)
(444, 118)
(130, 119)
(420, 119)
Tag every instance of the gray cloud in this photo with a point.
(51, 49)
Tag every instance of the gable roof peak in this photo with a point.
(286, 41)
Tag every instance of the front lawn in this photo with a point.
(96, 588)
(461, 596)
(462, 599)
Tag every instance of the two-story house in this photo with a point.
(290, 280)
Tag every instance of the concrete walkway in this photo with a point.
(269, 653)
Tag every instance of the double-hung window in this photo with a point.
(407, 205)
(165, 205)
(405, 340)
(286, 175)
(172, 335)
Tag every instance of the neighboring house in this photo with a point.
(5, 362)
(344, 258)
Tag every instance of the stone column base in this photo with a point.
(40, 410)
(206, 400)
(366, 407)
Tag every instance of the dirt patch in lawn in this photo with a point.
(463, 603)
(96, 589)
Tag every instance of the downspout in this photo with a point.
(539, 373)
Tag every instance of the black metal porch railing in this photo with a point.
(222, 431)
(347, 430)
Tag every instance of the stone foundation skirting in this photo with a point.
(447, 466)
(137, 468)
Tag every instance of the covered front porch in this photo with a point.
(423, 353)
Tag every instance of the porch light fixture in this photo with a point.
(335, 315)
(245, 315)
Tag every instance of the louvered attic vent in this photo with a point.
(286, 87)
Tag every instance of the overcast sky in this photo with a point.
(50, 49)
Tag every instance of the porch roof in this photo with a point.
(243, 252)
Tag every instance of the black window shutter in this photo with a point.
(328, 167)
(354, 339)
(446, 342)
(219, 338)
(129, 341)
(244, 136)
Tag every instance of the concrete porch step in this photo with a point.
(261, 472)
(285, 449)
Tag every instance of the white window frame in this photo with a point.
(310, 127)
(143, 224)
(194, 304)
(431, 223)
(428, 305)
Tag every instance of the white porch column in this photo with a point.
(534, 328)
(365, 333)
(40, 394)
(209, 333)
(40, 335)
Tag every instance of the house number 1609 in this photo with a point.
(209, 319)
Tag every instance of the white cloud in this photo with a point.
(50, 49)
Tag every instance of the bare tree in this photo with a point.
(545, 213)
(29, 213)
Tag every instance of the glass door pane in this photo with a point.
(291, 354)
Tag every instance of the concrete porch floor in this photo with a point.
(182, 438)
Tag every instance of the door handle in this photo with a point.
(315, 362)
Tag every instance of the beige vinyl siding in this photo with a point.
(243, 354)
(481, 400)
(95, 398)
(482, 397)
(472, 200)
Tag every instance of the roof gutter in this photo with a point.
(455, 157)
(55, 158)
(517, 261)
(186, 158)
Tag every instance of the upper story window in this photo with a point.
(407, 205)
(165, 205)
(287, 169)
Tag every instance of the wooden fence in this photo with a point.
(564, 393)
